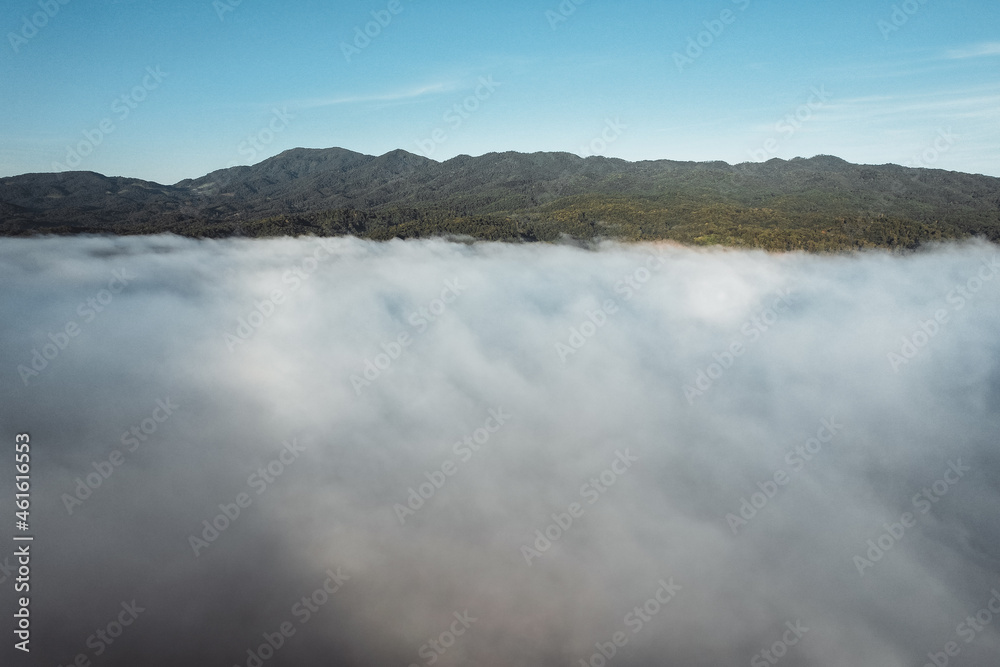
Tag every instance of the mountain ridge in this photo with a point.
(817, 203)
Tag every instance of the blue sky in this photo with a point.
(169, 90)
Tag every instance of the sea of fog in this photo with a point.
(339, 452)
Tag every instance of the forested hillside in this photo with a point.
(822, 203)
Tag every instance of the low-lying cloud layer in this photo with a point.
(456, 454)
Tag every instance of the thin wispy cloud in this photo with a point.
(917, 63)
(942, 105)
(939, 106)
(393, 96)
(984, 50)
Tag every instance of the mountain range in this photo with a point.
(820, 203)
